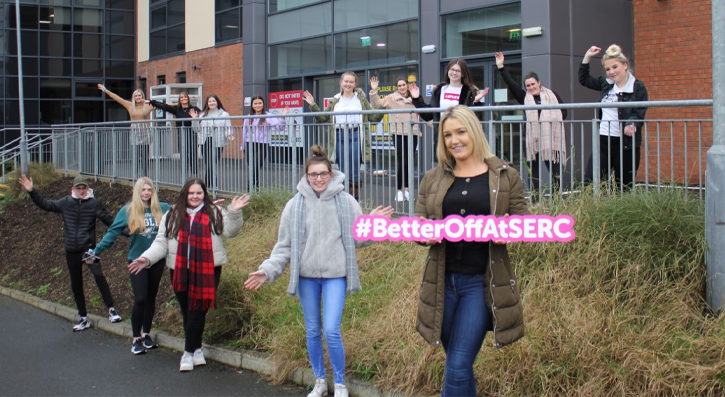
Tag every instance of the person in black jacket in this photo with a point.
(620, 130)
(544, 134)
(80, 211)
(457, 88)
(181, 113)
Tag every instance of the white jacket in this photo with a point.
(164, 247)
(213, 126)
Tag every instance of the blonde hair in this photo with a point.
(137, 207)
(614, 52)
(142, 96)
(348, 73)
(481, 149)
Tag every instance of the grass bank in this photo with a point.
(619, 310)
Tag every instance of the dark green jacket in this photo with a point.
(502, 291)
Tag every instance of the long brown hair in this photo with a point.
(177, 213)
(318, 155)
(263, 120)
(465, 74)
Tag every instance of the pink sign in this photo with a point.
(284, 99)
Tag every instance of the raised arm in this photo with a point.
(516, 91)
(313, 107)
(38, 199)
(126, 104)
(586, 79)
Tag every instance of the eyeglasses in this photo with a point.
(456, 71)
(315, 175)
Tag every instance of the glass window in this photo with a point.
(351, 14)
(124, 88)
(120, 47)
(55, 67)
(228, 23)
(30, 66)
(87, 45)
(28, 17)
(181, 77)
(12, 113)
(483, 31)
(175, 39)
(285, 85)
(119, 22)
(96, 3)
(120, 69)
(30, 87)
(30, 42)
(56, 112)
(55, 18)
(304, 22)
(56, 88)
(301, 57)
(280, 5)
(90, 112)
(56, 2)
(88, 89)
(167, 27)
(396, 43)
(87, 20)
(88, 68)
(55, 44)
(120, 4)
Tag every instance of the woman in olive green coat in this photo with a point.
(468, 288)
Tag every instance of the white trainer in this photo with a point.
(199, 357)
(407, 196)
(399, 197)
(320, 388)
(340, 390)
(187, 362)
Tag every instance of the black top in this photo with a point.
(178, 112)
(467, 196)
(520, 94)
(79, 218)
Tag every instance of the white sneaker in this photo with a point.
(320, 388)
(340, 390)
(407, 196)
(199, 357)
(399, 197)
(187, 362)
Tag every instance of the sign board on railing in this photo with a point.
(282, 136)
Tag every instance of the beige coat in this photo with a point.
(501, 288)
(399, 122)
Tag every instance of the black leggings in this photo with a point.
(142, 160)
(259, 152)
(211, 155)
(193, 320)
(75, 269)
(145, 287)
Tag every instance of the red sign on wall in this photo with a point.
(283, 99)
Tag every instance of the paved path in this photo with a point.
(42, 356)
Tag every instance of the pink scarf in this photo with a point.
(544, 135)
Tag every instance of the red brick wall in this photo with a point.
(673, 53)
(220, 73)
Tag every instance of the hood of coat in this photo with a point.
(334, 187)
(89, 195)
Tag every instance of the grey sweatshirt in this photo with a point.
(322, 254)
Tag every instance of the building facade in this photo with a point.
(68, 47)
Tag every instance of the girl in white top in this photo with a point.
(214, 132)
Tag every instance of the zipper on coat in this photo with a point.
(490, 266)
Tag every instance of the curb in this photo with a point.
(249, 360)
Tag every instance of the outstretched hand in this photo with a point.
(386, 212)
(255, 280)
(591, 52)
(481, 94)
(26, 182)
(137, 265)
(308, 98)
(499, 60)
(374, 83)
(193, 113)
(101, 87)
(414, 90)
(239, 202)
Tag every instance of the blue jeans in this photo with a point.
(351, 148)
(465, 322)
(332, 292)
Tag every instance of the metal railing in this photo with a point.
(672, 152)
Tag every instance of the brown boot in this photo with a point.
(355, 190)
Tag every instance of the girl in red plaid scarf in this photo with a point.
(190, 238)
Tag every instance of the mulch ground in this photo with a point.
(33, 257)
